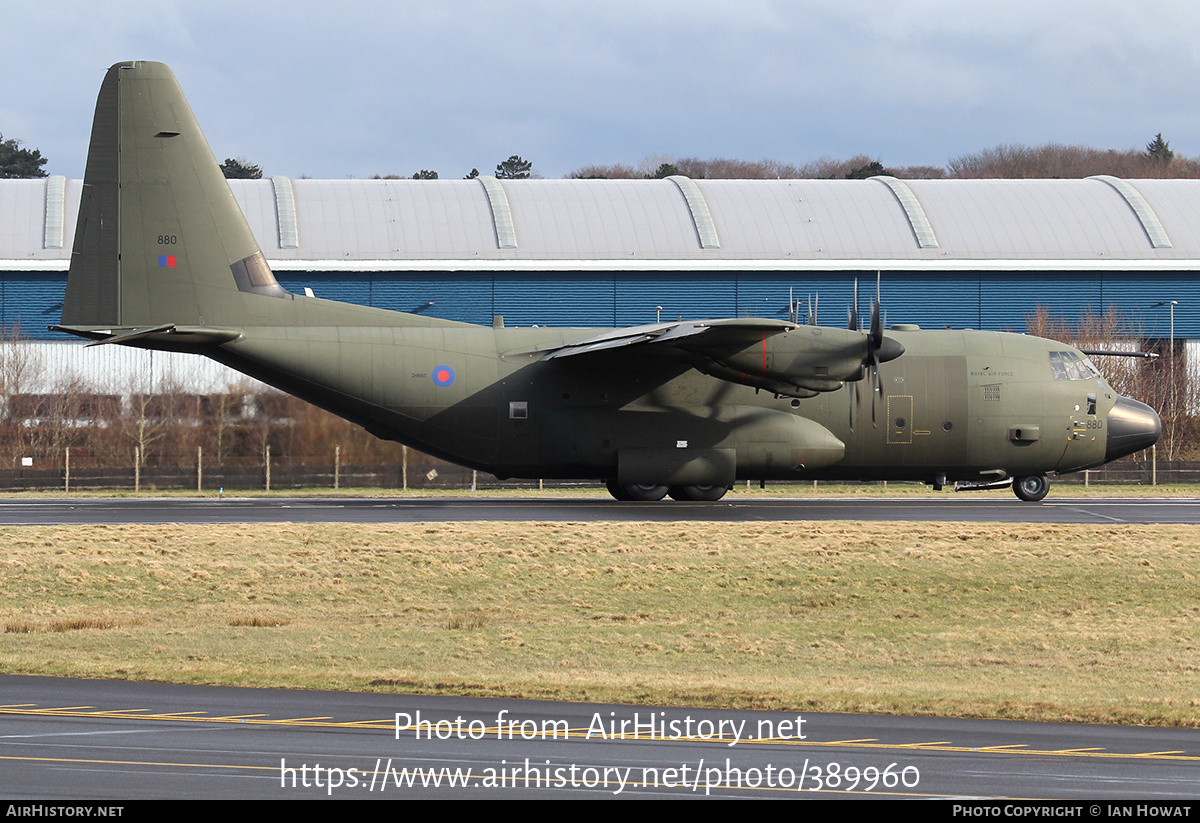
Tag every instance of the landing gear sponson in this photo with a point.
(650, 492)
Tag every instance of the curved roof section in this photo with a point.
(676, 223)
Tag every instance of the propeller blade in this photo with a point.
(853, 402)
(877, 388)
(880, 349)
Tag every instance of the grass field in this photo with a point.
(1036, 622)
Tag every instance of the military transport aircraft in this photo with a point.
(164, 259)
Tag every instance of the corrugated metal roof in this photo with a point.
(29, 211)
(706, 230)
(285, 212)
(502, 222)
(917, 220)
(54, 229)
(643, 225)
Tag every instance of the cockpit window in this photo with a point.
(1068, 365)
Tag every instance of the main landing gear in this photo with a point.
(650, 492)
(708, 493)
(636, 491)
(1032, 487)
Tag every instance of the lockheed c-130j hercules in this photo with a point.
(164, 259)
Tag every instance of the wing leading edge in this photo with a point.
(780, 357)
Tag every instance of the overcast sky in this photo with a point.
(354, 89)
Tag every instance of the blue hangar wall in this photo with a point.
(978, 300)
(960, 299)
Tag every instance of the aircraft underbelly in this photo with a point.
(718, 443)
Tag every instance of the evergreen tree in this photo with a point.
(241, 169)
(664, 170)
(425, 174)
(872, 169)
(1160, 150)
(514, 168)
(18, 162)
(474, 173)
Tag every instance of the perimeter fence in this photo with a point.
(418, 472)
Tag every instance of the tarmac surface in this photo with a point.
(67, 739)
(958, 508)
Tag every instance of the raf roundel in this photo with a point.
(443, 375)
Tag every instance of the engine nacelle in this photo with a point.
(802, 361)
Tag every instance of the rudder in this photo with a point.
(160, 238)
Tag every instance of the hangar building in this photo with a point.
(960, 253)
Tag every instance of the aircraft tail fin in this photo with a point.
(160, 238)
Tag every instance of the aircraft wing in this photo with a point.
(780, 357)
(728, 335)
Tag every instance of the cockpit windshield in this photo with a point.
(1069, 365)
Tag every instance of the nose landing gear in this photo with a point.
(1031, 488)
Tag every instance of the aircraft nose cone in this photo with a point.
(1132, 426)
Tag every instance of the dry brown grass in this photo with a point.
(259, 621)
(1038, 622)
(31, 626)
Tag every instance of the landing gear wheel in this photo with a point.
(708, 493)
(617, 490)
(1031, 488)
(639, 491)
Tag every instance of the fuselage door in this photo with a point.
(900, 419)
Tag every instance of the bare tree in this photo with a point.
(222, 413)
(18, 365)
(1055, 160)
(919, 172)
(616, 171)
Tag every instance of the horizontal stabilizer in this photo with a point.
(166, 335)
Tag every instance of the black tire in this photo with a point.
(698, 493)
(1032, 487)
(641, 491)
(617, 490)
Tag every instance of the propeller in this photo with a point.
(880, 349)
(874, 344)
(852, 311)
(852, 325)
